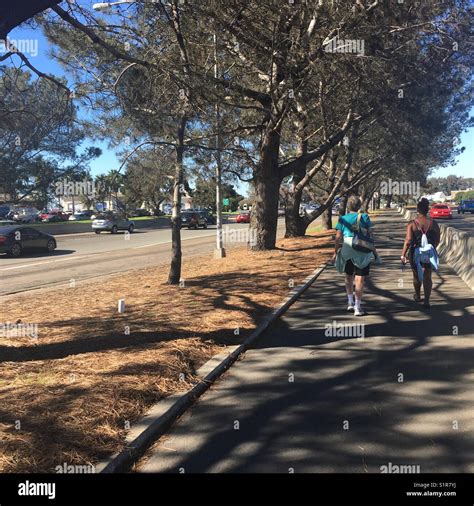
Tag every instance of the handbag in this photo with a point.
(362, 239)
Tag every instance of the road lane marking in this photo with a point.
(169, 242)
(81, 257)
(38, 263)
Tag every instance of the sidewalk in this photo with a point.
(403, 394)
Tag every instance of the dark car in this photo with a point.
(210, 218)
(14, 240)
(5, 210)
(136, 213)
(193, 219)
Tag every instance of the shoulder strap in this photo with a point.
(420, 228)
(430, 222)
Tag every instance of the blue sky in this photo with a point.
(108, 160)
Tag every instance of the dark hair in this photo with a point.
(353, 203)
(423, 206)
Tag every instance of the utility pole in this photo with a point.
(219, 252)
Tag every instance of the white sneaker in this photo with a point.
(358, 311)
(350, 307)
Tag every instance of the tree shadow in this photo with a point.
(400, 389)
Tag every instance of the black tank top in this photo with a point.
(430, 232)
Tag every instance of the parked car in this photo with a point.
(139, 212)
(466, 206)
(81, 215)
(14, 240)
(112, 222)
(243, 218)
(210, 218)
(438, 211)
(24, 215)
(307, 209)
(281, 211)
(193, 219)
(53, 216)
(5, 209)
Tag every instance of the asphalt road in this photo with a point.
(83, 256)
(464, 222)
(395, 387)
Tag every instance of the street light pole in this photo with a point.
(105, 6)
(219, 252)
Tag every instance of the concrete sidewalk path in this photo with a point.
(301, 400)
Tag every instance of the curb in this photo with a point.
(164, 413)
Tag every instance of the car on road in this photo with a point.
(14, 240)
(24, 215)
(135, 213)
(5, 209)
(243, 218)
(306, 209)
(112, 222)
(466, 206)
(54, 215)
(81, 215)
(439, 211)
(193, 219)
(211, 218)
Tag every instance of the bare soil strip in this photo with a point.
(69, 395)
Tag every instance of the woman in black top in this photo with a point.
(415, 230)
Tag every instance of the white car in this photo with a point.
(81, 215)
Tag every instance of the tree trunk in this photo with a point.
(295, 225)
(267, 186)
(343, 205)
(176, 254)
(327, 219)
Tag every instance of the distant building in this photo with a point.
(75, 204)
(186, 203)
(436, 197)
(456, 192)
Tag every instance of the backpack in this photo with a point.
(362, 239)
(423, 250)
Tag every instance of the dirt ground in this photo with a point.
(69, 394)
